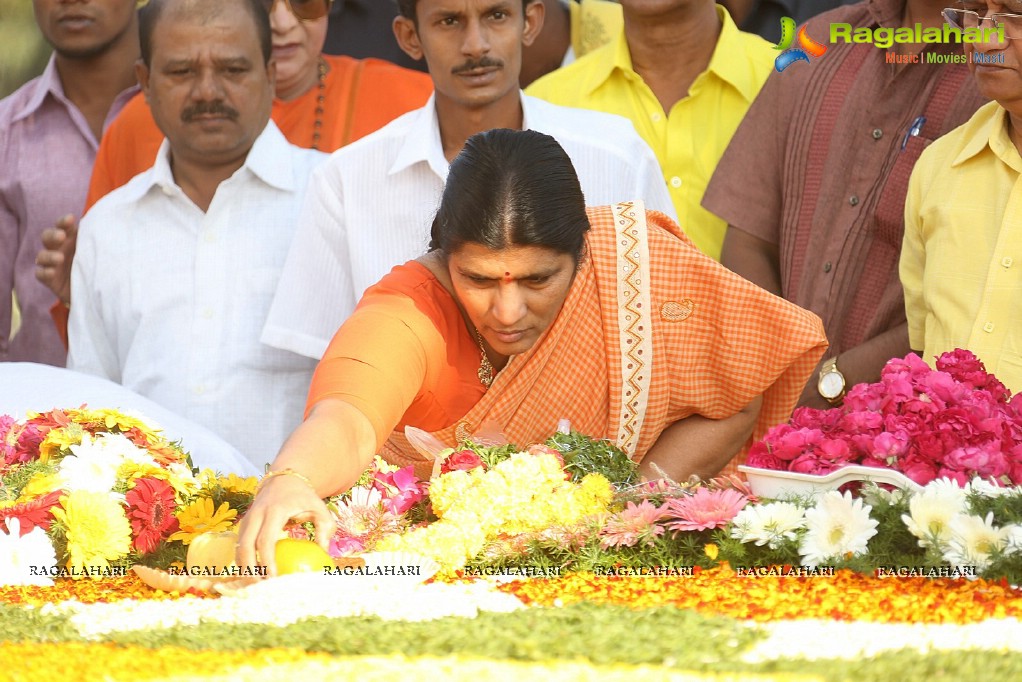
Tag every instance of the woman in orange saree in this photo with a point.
(529, 309)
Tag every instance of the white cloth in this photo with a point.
(30, 387)
(170, 301)
(371, 205)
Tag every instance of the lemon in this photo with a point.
(301, 556)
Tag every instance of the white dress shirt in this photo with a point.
(371, 205)
(170, 301)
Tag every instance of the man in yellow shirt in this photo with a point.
(571, 29)
(685, 76)
(961, 260)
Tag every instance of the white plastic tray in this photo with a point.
(770, 483)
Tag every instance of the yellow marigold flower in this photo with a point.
(236, 484)
(450, 545)
(198, 518)
(597, 489)
(40, 484)
(711, 550)
(60, 440)
(98, 531)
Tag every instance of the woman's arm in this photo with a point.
(331, 449)
(700, 446)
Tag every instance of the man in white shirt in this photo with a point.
(371, 204)
(176, 270)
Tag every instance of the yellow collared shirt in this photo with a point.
(690, 139)
(961, 260)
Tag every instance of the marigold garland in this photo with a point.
(845, 596)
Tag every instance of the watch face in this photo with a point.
(831, 385)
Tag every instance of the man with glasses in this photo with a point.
(175, 271)
(961, 262)
(813, 183)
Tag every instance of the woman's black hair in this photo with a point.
(512, 188)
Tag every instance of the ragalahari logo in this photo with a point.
(790, 55)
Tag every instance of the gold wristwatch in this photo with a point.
(831, 383)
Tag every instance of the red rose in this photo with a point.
(462, 460)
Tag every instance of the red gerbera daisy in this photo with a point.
(37, 512)
(151, 512)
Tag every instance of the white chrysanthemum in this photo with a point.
(836, 526)
(931, 511)
(974, 539)
(768, 523)
(92, 466)
(24, 559)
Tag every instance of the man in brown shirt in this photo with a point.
(813, 183)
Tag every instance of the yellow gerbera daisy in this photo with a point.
(97, 529)
(236, 484)
(198, 518)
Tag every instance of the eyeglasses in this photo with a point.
(304, 10)
(967, 18)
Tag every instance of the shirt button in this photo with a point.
(1007, 261)
(200, 389)
(853, 200)
(209, 237)
(988, 327)
(675, 182)
(655, 117)
(207, 313)
(877, 133)
(826, 266)
(168, 190)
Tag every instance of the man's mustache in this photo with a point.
(475, 64)
(217, 108)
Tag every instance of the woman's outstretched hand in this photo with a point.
(280, 499)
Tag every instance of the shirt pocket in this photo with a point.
(889, 220)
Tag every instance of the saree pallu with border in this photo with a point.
(652, 331)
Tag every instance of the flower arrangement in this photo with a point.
(90, 492)
(956, 421)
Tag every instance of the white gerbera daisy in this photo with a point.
(768, 524)
(974, 539)
(25, 559)
(931, 511)
(836, 526)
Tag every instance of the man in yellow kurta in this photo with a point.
(685, 76)
(961, 261)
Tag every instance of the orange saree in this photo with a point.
(652, 331)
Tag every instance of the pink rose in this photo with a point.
(540, 449)
(761, 457)
(986, 461)
(811, 463)
(461, 460)
(920, 470)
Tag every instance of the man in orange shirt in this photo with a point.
(322, 102)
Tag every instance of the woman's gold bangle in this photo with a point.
(284, 472)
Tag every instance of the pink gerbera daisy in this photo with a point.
(705, 509)
(636, 524)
